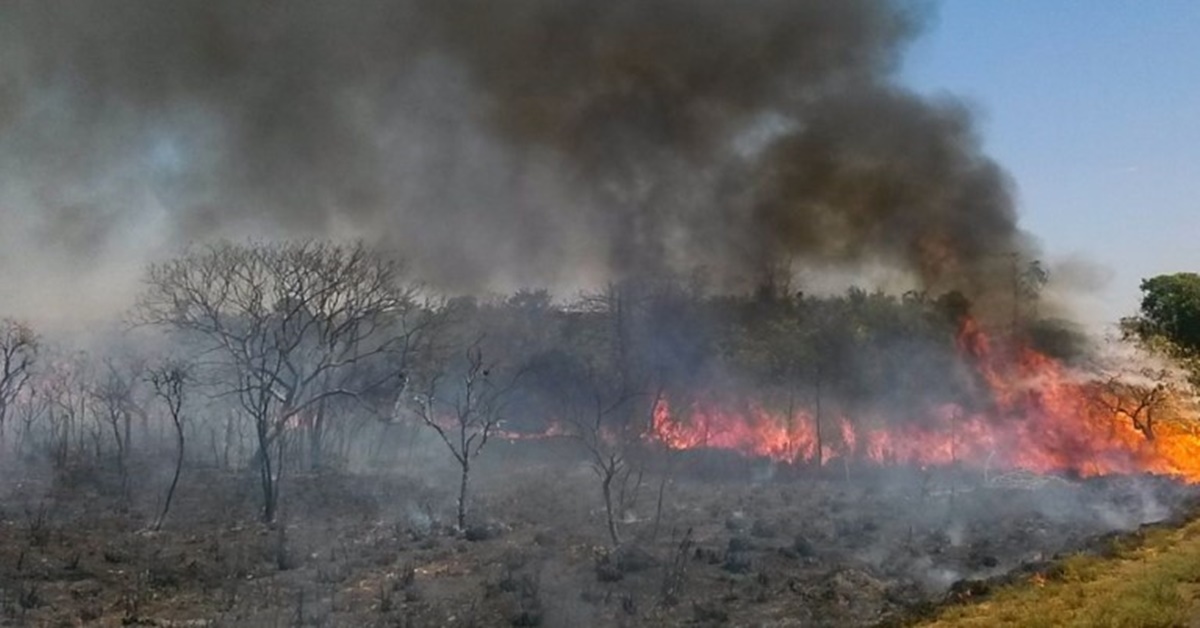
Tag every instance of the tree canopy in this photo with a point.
(1170, 312)
(1169, 319)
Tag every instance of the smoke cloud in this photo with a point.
(558, 142)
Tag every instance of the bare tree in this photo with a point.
(169, 381)
(66, 389)
(599, 398)
(1136, 400)
(283, 327)
(594, 412)
(1131, 381)
(465, 413)
(31, 412)
(112, 402)
(19, 347)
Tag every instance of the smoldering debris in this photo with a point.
(830, 550)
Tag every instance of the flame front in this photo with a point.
(1041, 418)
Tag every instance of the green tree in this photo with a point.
(1169, 318)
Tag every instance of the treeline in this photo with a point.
(280, 357)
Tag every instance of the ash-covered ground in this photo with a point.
(707, 539)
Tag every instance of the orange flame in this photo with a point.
(1042, 418)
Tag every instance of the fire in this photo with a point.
(1042, 418)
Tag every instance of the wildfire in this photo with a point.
(1042, 418)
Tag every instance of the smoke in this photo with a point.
(558, 142)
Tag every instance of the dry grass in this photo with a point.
(1152, 583)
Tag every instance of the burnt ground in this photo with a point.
(736, 543)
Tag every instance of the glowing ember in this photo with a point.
(1041, 418)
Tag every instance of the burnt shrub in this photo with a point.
(740, 544)
(482, 532)
(968, 589)
(801, 547)
(737, 563)
(606, 568)
(709, 612)
(763, 529)
(633, 558)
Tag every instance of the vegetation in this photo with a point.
(300, 357)
(325, 364)
(1150, 580)
(464, 414)
(285, 328)
(18, 352)
(1169, 319)
(1171, 310)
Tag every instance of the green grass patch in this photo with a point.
(1150, 581)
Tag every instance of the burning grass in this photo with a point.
(1031, 412)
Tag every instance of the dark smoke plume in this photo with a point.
(490, 142)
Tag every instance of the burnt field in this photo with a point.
(545, 313)
(288, 453)
(708, 538)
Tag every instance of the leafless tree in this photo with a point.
(66, 385)
(594, 398)
(170, 386)
(19, 347)
(1137, 400)
(286, 326)
(464, 413)
(594, 413)
(1136, 384)
(31, 412)
(600, 400)
(112, 401)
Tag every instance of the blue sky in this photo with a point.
(1093, 106)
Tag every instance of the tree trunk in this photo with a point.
(122, 472)
(658, 507)
(228, 442)
(791, 450)
(174, 480)
(462, 494)
(212, 444)
(265, 472)
(609, 473)
(127, 418)
(315, 438)
(820, 457)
